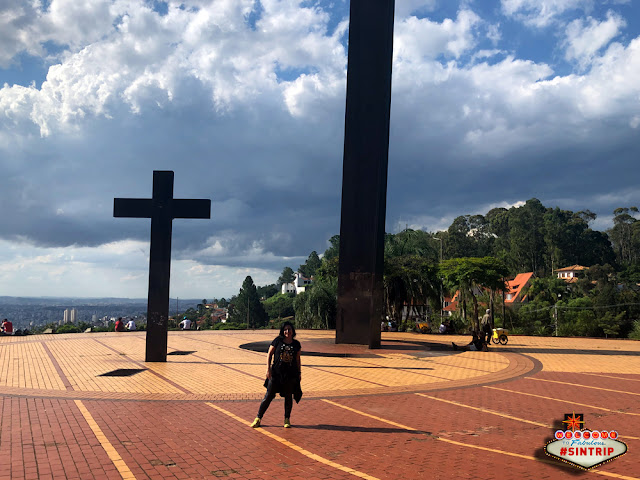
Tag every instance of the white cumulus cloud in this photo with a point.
(541, 13)
(586, 37)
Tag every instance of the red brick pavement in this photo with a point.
(392, 435)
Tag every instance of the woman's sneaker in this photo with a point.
(287, 423)
(256, 423)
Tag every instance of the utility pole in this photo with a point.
(555, 312)
(504, 318)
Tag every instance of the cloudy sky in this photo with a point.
(494, 102)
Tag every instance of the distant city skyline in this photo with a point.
(493, 103)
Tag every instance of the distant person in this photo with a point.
(185, 324)
(442, 328)
(485, 326)
(7, 327)
(131, 325)
(119, 325)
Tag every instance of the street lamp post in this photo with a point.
(555, 313)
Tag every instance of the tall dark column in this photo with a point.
(364, 181)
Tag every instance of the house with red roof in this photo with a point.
(515, 292)
(572, 273)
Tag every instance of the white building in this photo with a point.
(299, 284)
(74, 316)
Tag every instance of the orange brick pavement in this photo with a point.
(412, 409)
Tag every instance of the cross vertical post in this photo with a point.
(162, 208)
(364, 181)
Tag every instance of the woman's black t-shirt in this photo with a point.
(285, 356)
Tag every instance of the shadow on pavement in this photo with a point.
(345, 428)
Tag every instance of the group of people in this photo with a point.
(130, 326)
(480, 340)
(121, 327)
(446, 327)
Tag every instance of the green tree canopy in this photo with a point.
(468, 275)
(410, 280)
(412, 243)
(267, 291)
(287, 276)
(312, 264)
(317, 306)
(247, 307)
(625, 235)
(279, 306)
(334, 250)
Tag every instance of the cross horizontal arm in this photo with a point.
(191, 208)
(133, 207)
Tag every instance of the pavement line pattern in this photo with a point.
(150, 370)
(613, 376)
(56, 365)
(484, 410)
(477, 447)
(297, 448)
(115, 457)
(583, 386)
(561, 400)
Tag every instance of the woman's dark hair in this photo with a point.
(288, 324)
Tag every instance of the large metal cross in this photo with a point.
(364, 180)
(162, 208)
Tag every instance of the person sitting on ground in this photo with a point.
(7, 327)
(119, 325)
(476, 343)
(185, 324)
(131, 325)
(443, 328)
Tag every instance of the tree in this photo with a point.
(287, 276)
(468, 275)
(267, 291)
(334, 250)
(222, 303)
(409, 280)
(247, 307)
(308, 269)
(279, 306)
(412, 242)
(469, 236)
(201, 306)
(526, 232)
(317, 306)
(625, 235)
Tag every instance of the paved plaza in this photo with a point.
(87, 406)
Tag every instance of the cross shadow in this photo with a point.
(263, 347)
(345, 428)
(419, 344)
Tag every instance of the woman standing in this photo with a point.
(284, 375)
